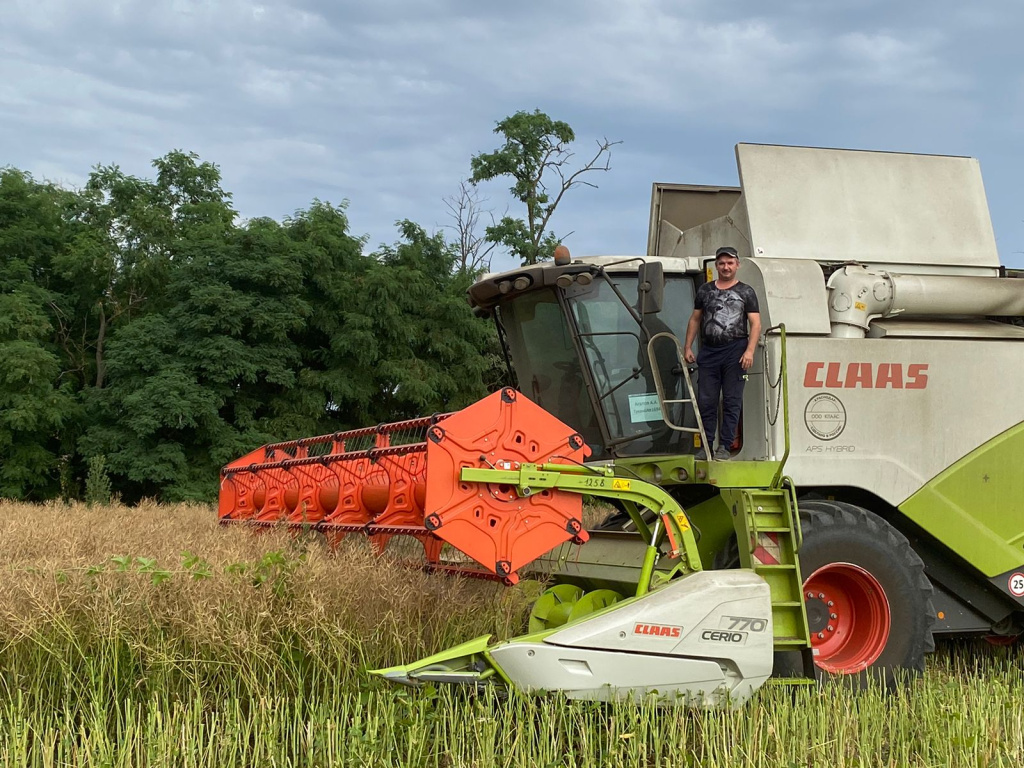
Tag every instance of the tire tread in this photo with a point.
(821, 515)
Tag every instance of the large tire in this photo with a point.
(868, 600)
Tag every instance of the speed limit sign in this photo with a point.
(1016, 584)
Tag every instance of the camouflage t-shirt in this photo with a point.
(725, 312)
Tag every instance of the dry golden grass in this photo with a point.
(92, 571)
(116, 651)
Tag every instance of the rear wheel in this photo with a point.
(868, 600)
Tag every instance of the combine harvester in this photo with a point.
(881, 407)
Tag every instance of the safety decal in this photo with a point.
(1016, 584)
(767, 551)
(681, 521)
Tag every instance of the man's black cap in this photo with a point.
(727, 250)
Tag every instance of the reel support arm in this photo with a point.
(529, 479)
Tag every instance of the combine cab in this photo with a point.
(713, 575)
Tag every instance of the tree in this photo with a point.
(146, 338)
(335, 392)
(194, 384)
(473, 250)
(34, 402)
(537, 155)
(136, 229)
(177, 315)
(428, 351)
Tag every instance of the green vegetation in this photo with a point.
(149, 337)
(149, 636)
(537, 156)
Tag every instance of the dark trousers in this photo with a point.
(720, 374)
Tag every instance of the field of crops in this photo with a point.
(151, 636)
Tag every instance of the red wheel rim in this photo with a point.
(848, 615)
(1001, 641)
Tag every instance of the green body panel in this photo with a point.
(973, 507)
(467, 662)
(677, 470)
(739, 474)
(610, 560)
(714, 521)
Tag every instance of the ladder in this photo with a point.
(768, 533)
(765, 517)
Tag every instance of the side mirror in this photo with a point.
(650, 287)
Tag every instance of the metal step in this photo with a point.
(768, 530)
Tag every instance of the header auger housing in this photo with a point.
(502, 481)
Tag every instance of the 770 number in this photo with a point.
(741, 623)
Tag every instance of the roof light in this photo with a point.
(562, 257)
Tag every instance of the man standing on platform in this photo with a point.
(728, 317)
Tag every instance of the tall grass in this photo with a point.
(152, 636)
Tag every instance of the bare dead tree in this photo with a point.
(464, 209)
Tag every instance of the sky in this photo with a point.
(382, 104)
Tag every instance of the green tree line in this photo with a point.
(148, 332)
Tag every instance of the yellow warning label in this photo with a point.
(860, 305)
(682, 522)
(620, 485)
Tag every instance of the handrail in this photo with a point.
(663, 402)
(784, 397)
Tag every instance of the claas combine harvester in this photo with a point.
(874, 498)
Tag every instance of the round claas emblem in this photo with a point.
(825, 416)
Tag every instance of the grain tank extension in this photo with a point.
(872, 503)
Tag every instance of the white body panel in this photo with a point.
(701, 639)
(880, 207)
(790, 292)
(914, 213)
(914, 420)
(583, 673)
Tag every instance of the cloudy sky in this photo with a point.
(383, 103)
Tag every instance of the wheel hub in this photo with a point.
(848, 617)
(817, 613)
